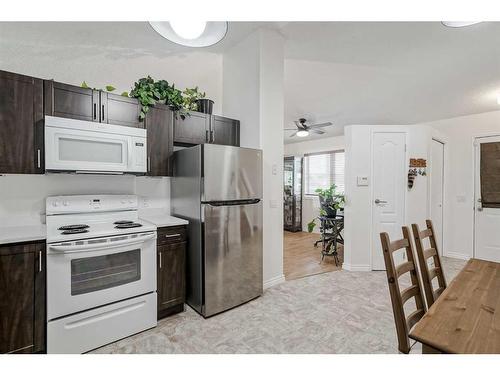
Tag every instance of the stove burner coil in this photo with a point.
(72, 227)
(128, 225)
(75, 231)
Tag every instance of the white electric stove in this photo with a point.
(101, 271)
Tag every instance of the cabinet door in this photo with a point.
(160, 144)
(21, 124)
(193, 129)
(120, 110)
(62, 100)
(171, 275)
(225, 131)
(22, 298)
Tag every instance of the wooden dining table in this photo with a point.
(466, 316)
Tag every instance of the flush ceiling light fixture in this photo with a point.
(459, 23)
(302, 133)
(191, 33)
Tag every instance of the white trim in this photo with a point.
(451, 254)
(274, 281)
(357, 267)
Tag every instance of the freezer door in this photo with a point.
(231, 173)
(233, 255)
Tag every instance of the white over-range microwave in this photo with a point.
(92, 147)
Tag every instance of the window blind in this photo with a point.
(323, 169)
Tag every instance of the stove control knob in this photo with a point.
(131, 201)
(123, 201)
(65, 203)
(55, 203)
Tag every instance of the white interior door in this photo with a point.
(437, 183)
(486, 198)
(389, 184)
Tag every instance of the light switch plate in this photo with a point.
(275, 169)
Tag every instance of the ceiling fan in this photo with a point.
(303, 129)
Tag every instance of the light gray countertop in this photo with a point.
(161, 218)
(22, 233)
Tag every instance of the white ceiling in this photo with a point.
(343, 72)
(389, 72)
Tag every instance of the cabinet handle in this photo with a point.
(149, 163)
(207, 139)
(212, 136)
(95, 111)
(102, 112)
(160, 260)
(38, 161)
(172, 235)
(40, 261)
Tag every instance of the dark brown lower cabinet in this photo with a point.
(171, 274)
(22, 298)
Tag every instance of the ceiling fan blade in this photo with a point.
(317, 131)
(293, 135)
(322, 125)
(299, 125)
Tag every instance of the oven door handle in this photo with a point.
(108, 244)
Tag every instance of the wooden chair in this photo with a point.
(428, 274)
(400, 297)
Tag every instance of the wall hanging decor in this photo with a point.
(417, 167)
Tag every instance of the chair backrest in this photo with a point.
(400, 297)
(423, 254)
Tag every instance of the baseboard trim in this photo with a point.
(356, 267)
(451, 254)
(274, 281)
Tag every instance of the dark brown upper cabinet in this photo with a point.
(225, 131)
(120, 110)
(21, 124)
(159, 126)
(199, 128)
(192, 129)
(62, 100)
(22, 298)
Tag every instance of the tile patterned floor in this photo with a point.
(335, 312)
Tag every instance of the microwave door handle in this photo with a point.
(102, 245)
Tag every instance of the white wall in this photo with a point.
(358, 210)
(310, 204)
(100, 69)
(23, 196)
(253, 89)
(458, 134)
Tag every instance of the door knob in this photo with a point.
(378, 201)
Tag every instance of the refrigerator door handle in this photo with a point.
(239, 202)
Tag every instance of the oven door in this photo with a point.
(89, 273)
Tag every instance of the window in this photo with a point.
(323, 169)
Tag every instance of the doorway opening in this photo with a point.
(313, 224)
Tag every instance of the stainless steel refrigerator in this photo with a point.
(218, 189)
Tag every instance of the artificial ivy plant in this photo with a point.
(149, 92)
(190, 97)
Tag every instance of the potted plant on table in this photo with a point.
(330, 201)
